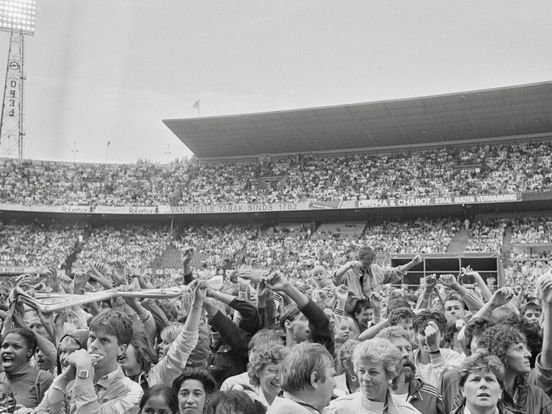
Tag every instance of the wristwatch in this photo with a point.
(83, 374)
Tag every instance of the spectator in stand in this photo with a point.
(500, 168)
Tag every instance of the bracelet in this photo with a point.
(435, 352)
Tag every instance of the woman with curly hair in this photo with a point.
(264, 373)
(510, 346)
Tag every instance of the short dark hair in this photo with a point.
(289, 313)
(531, 305)
(167, 393)
(481, 361)
(361, 305)
(300, 363)
(227, 402)
(113, 323)
(28, 336)
(394, 317)
(421, 320)
(201, 375)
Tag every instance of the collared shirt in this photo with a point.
(288, 404)
(114, 393)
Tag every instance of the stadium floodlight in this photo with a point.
(18, 16)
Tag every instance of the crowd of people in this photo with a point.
(37, 244)
(482, 169)
(260, 341)
(532, 230)
(486, 235)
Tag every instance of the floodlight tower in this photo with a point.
(18, 18)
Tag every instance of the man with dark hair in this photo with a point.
(307, 381)
(532, 313)
(363, 314)
(402, 317)
(94, 382)
(430, 359)
(303, 320)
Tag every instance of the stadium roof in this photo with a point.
(441, 119)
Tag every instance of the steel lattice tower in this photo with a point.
(18, 18)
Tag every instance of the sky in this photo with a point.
(111, 70)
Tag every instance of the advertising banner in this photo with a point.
(268, 207)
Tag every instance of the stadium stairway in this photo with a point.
(459, 242)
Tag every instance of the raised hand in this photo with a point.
(80, 280)
(448, 280)
(431, 333)
(342, 293)
(377, 301)
(544, 284)
(119, 274)
(417, 259)
(277, 282)
(249, 274)
(501, 297)
(24, 281)
(99, 268)
(430, 282)
(200, 291)
(187, 254)
(354, 264)
(53, 279)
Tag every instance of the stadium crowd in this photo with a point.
(259, 343)
(483, 169)
(276, 321)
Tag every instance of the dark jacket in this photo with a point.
(529, 398)
(229, 356)
(319, 325)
